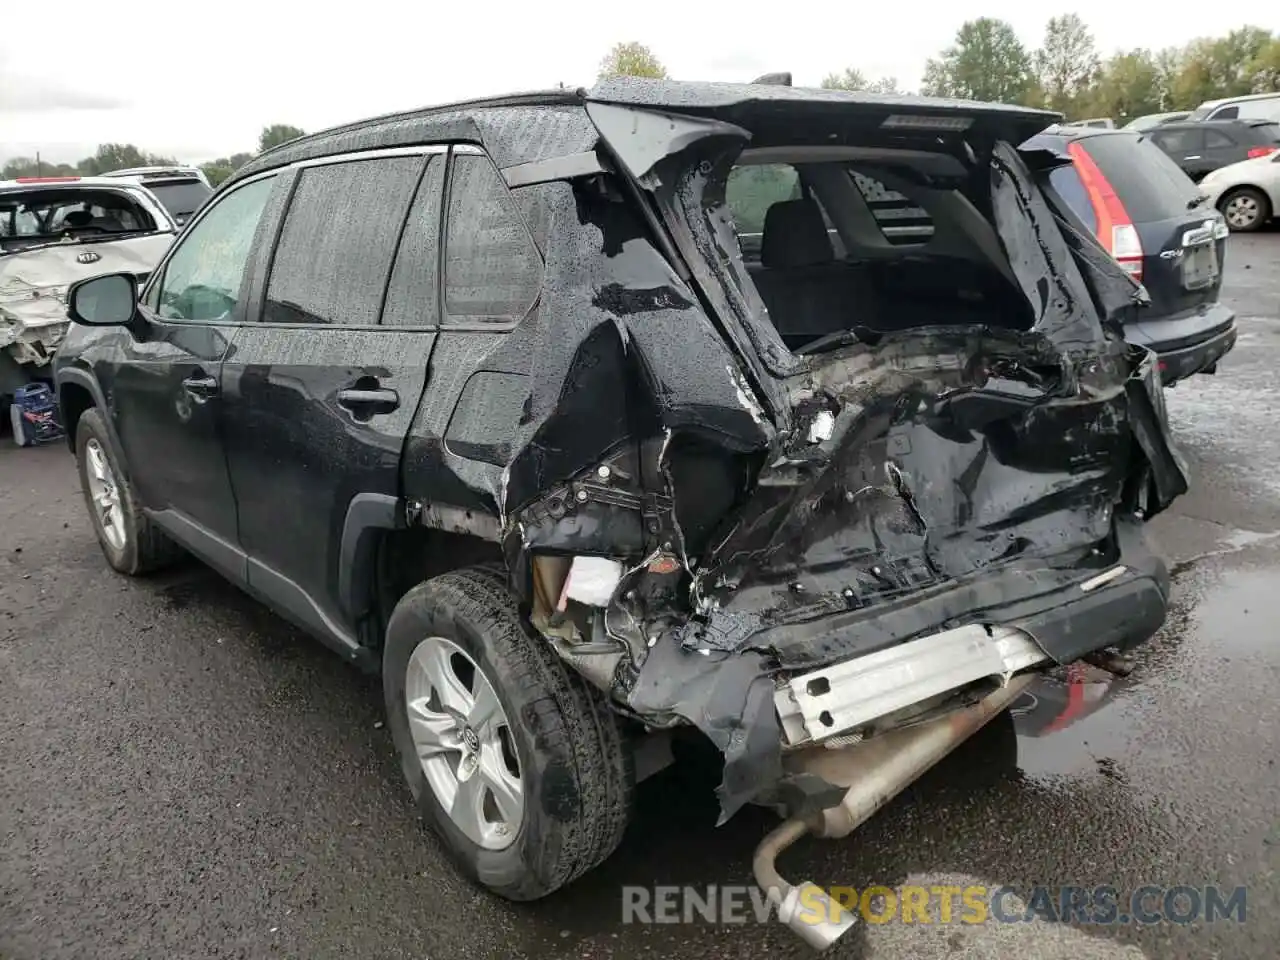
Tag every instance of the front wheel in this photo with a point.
(512, 758)
(1246, 209)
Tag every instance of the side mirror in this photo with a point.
(106, 301)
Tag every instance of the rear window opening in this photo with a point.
(33, 217)
(182, 198)
(849, 239)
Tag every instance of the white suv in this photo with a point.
(1257, 106)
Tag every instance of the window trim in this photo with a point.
(161, 269)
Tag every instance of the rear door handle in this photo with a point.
(1196, 157)
(377, 400)
(201, 387)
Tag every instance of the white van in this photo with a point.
(1257, 106)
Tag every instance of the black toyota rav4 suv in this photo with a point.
(489, 398)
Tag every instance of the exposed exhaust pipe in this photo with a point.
(875, 772)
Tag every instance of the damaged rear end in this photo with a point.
(860, 478)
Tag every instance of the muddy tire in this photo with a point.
(131, 543)
(530, 794)
(1246, 209)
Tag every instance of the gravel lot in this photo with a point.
(184, 775)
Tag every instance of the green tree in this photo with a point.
(1215, 67)
(28, 167)
(1129, 85)
(854, 79)
(277, 134)
(1169, 63)
(1264, 69)
(631, 60)
(851, 79)
(986, 62)
(117, 156)
(884, 85)
(216, 173)
(1067, 63)
(222, 168)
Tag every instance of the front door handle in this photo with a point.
(376, 400)
(201, 387)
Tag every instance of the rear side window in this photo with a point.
(339, 236)
(1217, 140)
(902, 221)
(1068, 185)
(751, 190)
(181, 198)
(1267, 132)
(493, 272)
(1175, 142)
(1150, 185)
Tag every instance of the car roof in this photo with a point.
(68, 183)
(1243, 98)
(1065, 131)
(689, 96)
(181, 171)
(515, 128)
(527, 127)
(1197, 124)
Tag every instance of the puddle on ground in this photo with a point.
(1080, 721)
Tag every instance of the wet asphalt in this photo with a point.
(182, 774)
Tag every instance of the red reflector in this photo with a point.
(1115, 229)
(1162, 366)
(664, 564)
(46, 179)
(1255, 152)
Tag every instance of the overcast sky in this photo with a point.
(198, 81)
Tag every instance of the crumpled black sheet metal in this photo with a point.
(729, 697)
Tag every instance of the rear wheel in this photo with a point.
(129, 541)
(512, 758)
(1246, 209)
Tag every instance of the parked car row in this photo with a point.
(1217, 134)
(1200, 148)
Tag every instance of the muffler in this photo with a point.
(875, 772)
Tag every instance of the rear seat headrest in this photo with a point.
(795, 235)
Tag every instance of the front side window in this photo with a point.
(338, 241)
(493, 272)
(201, 281)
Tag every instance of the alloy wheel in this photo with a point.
(463, 741)
(1242, 211)
(104, 490)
